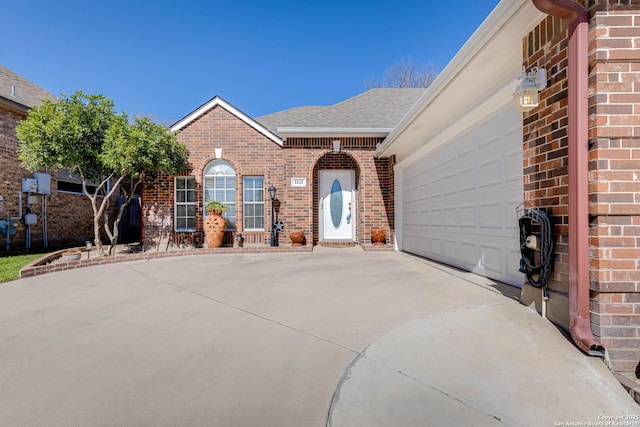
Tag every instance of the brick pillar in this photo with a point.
(615, 180)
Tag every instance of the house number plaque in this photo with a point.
(298, 182)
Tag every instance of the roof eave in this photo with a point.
(500, 19)
(14, 106)
(334, 131)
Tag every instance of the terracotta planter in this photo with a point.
(378, 235)
(297, 237)
(214, 228)
(71, 256)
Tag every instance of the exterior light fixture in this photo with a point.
(526, 97)
(272, 195)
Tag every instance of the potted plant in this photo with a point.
(378, 235)
(215, 225)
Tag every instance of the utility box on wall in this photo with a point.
(44, 183)
(29, 185)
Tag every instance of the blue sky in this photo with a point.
(164, 59)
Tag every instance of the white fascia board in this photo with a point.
(322, 131)
(510, 20)
(217, 101)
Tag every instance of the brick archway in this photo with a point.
(336, 161)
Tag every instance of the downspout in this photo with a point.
(576, 16)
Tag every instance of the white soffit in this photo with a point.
(217, 101)
(481, 77)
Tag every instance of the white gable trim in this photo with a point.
(217, 101)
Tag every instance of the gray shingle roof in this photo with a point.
(380, 108)
(286, 117)
(21, 91)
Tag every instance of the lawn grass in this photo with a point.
(10, 265)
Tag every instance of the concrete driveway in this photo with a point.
(242, 340)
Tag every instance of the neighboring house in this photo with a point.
(236, 158)
(465, 158)
(64, 216)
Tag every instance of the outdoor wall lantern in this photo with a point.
(272, 195)
(526, 97)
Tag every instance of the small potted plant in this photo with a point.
(215, 225)
(378, 235)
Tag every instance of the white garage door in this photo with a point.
(459, 202)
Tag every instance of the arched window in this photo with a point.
(220, 185)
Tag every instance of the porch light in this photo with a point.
(526, 97)
(272, 193)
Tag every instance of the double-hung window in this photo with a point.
(185, 203)
(253, 198)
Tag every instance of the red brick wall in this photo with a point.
(545, 152)
(614, 189)
(251, 153)
(69, 217)
(614, 179)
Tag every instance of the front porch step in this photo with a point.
(337, 243)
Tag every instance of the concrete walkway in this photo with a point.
(336, 336)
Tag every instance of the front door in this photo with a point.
(336, 204)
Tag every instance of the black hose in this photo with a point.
(542, 264)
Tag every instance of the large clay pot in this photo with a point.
(378, 235)
(297, 237)
(214, 228)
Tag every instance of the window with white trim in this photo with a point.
(185, 203)
(220, 185)
(253, 206)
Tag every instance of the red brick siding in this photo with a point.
(614, 179)
(69, 216)
(545, 139)
(614, 140)
(251, 153)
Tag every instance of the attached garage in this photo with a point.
(458, 154)
(460, 201)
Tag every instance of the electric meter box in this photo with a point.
(30, 219)
(44, 183)
(29, 185)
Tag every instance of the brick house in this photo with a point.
(64, 216)
(466, 158)
(306, 153)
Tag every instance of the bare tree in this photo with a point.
(406, 73)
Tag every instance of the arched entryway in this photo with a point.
(336, 199)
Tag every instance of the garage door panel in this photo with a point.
(468, 215)
(491, 215)
(469, 190)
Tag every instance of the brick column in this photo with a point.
(615, 180)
